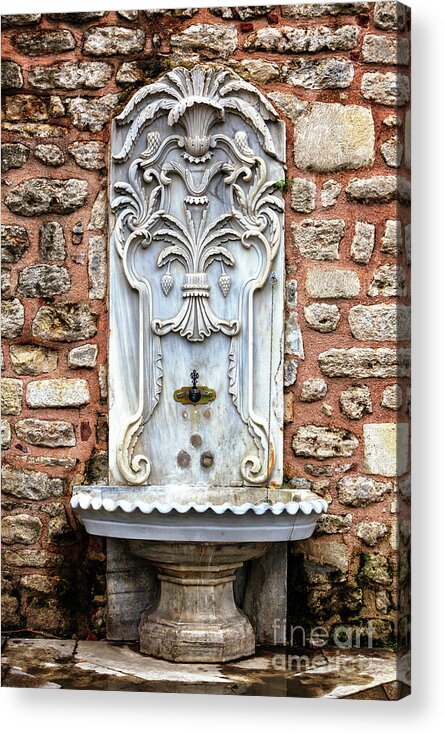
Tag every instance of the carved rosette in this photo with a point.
(194, 103)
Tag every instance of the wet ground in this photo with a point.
(100, 665)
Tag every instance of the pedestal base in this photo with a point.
(195, 618)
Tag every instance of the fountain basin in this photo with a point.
(198, 514)
(197, 538)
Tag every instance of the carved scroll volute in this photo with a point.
(200, 155)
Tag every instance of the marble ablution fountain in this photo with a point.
(196, 370)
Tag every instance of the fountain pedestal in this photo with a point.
(195, 618)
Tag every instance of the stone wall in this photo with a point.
(339, 75)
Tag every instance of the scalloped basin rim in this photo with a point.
(183, 499)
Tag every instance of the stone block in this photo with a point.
(14, 155)
(25, 108)
(332, 73)
(392, 397)
(391, 242)
(99, 212)
(381, 322)
(293, 336)
(289, 104)
(84, 357)
(385, 50)
(257, 71)
(330, 192)
(347, 134)
(21, 528)
(46, 433)
(242, 12)
(371, 532)
(97, 271)
(319, 239)
(208, 40)
(67, 322)
(360, 491)
(112, 41)
(52, 241)
(15, 243)
(362, 363)
(375, 569)
(363, 243)
(43, 281)
(314, 10)
(388, 88)
(39, 43)
(303, 195)
(390, 16)
(391, 151)
(322, 317)
(33, 558)
(375, 190)
(29, 485)
(89, 155)
(12, 318)
(12, 396)
(313, 389)
(49, 154)
(388, 281)
(71, 75)
(12, 21)
(92, 114)
(290, 40)
(57, 393)
(11, 74)
(37, 196)
(290, 372)
(332, 283)
(356, 401)
(5, 434)
(330, 524)
(386, 448)
(28, 359)
(324, 442)
(327, 553)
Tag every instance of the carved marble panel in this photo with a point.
(196, 283)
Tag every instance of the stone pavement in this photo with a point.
(98, 665)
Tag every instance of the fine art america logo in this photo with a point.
(309, 640)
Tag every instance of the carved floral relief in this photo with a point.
(229, 199)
